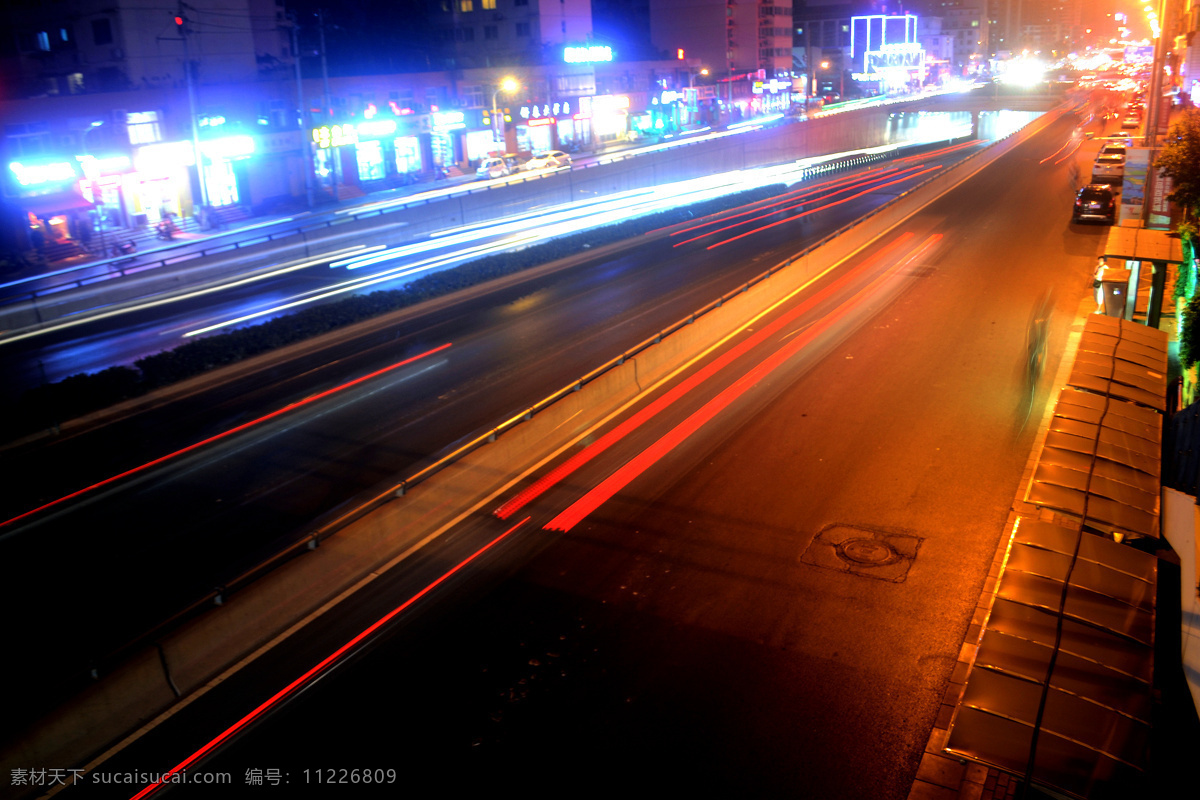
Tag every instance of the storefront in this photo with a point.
(536, 135)
(609, 115)
(367, 152)
(408, 156)
(225, 161)
(575, 132)
(52, 211)
(103, 186)
(550, 126)
(158, 184)
(446, 133)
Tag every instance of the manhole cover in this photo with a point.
(882, 554)
(870, 552)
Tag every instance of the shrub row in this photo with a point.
(50, 404)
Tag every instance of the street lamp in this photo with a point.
(693, 101)
(508, 86)
(96, 190)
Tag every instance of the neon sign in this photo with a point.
(34, 174)
(449, 120)
(587, 55)
(334, 136)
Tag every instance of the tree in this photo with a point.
(1180, 161)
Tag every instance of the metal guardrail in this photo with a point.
(120, 266)
(313, 540)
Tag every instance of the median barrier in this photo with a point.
(197, 653)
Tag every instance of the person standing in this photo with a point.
(1098, 283)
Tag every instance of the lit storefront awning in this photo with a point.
(45, 205)
(1067, 655)
(1143, 244)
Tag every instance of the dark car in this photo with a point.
(1095, 202)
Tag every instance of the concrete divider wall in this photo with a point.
(197, 652)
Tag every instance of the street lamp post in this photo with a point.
(508, 86)
(694, 103)
(99, 198)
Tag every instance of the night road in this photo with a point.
(759, 590)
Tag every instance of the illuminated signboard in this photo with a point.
(587, 55)
(334, 136)
(607, 104)
(36, 174)
(376, 127)
(95, 167)
(163, 157)
(545, 110)
(449, 120)
(228, 147)
(874, 32)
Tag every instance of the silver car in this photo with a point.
(493, 167)
(1109, 168)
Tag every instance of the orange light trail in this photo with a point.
(316, 671)
(575, 462)
(934, 168)
(222, 435)
(787, 197)
(846, 188)
(617, 481)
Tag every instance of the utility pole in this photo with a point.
(181, 24)
(302, 108)
(335, 152)
(1153, 107)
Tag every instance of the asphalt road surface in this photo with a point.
(769, 594)
(212, 513)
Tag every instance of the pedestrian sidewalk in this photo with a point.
(941, 776)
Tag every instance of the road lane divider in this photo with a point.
(277, 600)
(318, 670)
(564, 470)
(624, 475)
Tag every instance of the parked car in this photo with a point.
(1113, 148)
(1095, 202)
(552, 160)
(493, 167)
(1109, 169)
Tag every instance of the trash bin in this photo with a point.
(1115, 284)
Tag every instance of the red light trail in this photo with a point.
(222, 435)
(317, 670)
(617, 481)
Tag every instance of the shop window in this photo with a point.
(370, 161)
(472, 96)
(143, 127)
(102, 31)
(30, 139)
